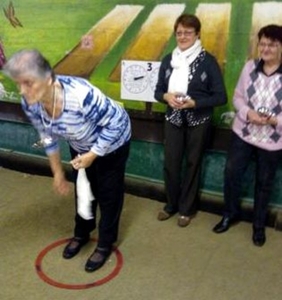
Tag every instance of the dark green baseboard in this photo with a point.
(143, 187)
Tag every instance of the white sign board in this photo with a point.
(138, 79)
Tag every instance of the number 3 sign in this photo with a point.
(138, 79)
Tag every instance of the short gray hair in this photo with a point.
(28, 62)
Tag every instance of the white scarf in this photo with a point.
(180, 62)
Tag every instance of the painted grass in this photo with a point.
(55, 27)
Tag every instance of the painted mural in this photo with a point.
(91, 38)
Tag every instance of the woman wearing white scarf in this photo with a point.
(190, 83)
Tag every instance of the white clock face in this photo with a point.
(154, 78)
(135, 79)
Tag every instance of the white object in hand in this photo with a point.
(183, 98)
(84, 195)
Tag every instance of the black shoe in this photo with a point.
(259, 236)
(97, 259)
(224, 224)
(74, 246)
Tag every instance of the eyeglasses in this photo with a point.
(184, 33)
(268, 45)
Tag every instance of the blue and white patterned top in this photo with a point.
(90, 121)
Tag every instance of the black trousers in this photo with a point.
(239, 157)
(182, 187)
(106, 177)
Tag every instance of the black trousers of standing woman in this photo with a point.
(240, 156)
(182, 189)
(106, 177)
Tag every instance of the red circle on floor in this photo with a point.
(47, 279)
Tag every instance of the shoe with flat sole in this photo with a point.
(259, 237)
(74, 246)
(224, 224)
(163, 215)
(183, 221)
(97, 259)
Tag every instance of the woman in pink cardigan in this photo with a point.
(256, 132)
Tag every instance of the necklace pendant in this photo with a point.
(43, 143)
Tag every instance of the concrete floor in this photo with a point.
(153, 260)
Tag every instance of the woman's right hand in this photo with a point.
(173, 101)
(253, 117)
(61, 185)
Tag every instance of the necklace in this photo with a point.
(47, 140)
(49, 124)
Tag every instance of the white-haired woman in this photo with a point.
(98, 132)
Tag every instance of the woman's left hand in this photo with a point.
(269, 121)
(189, 103)
(83, 161)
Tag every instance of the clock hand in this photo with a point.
(138, 77)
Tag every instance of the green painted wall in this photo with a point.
(56, 27)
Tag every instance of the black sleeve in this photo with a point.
(213, 92)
